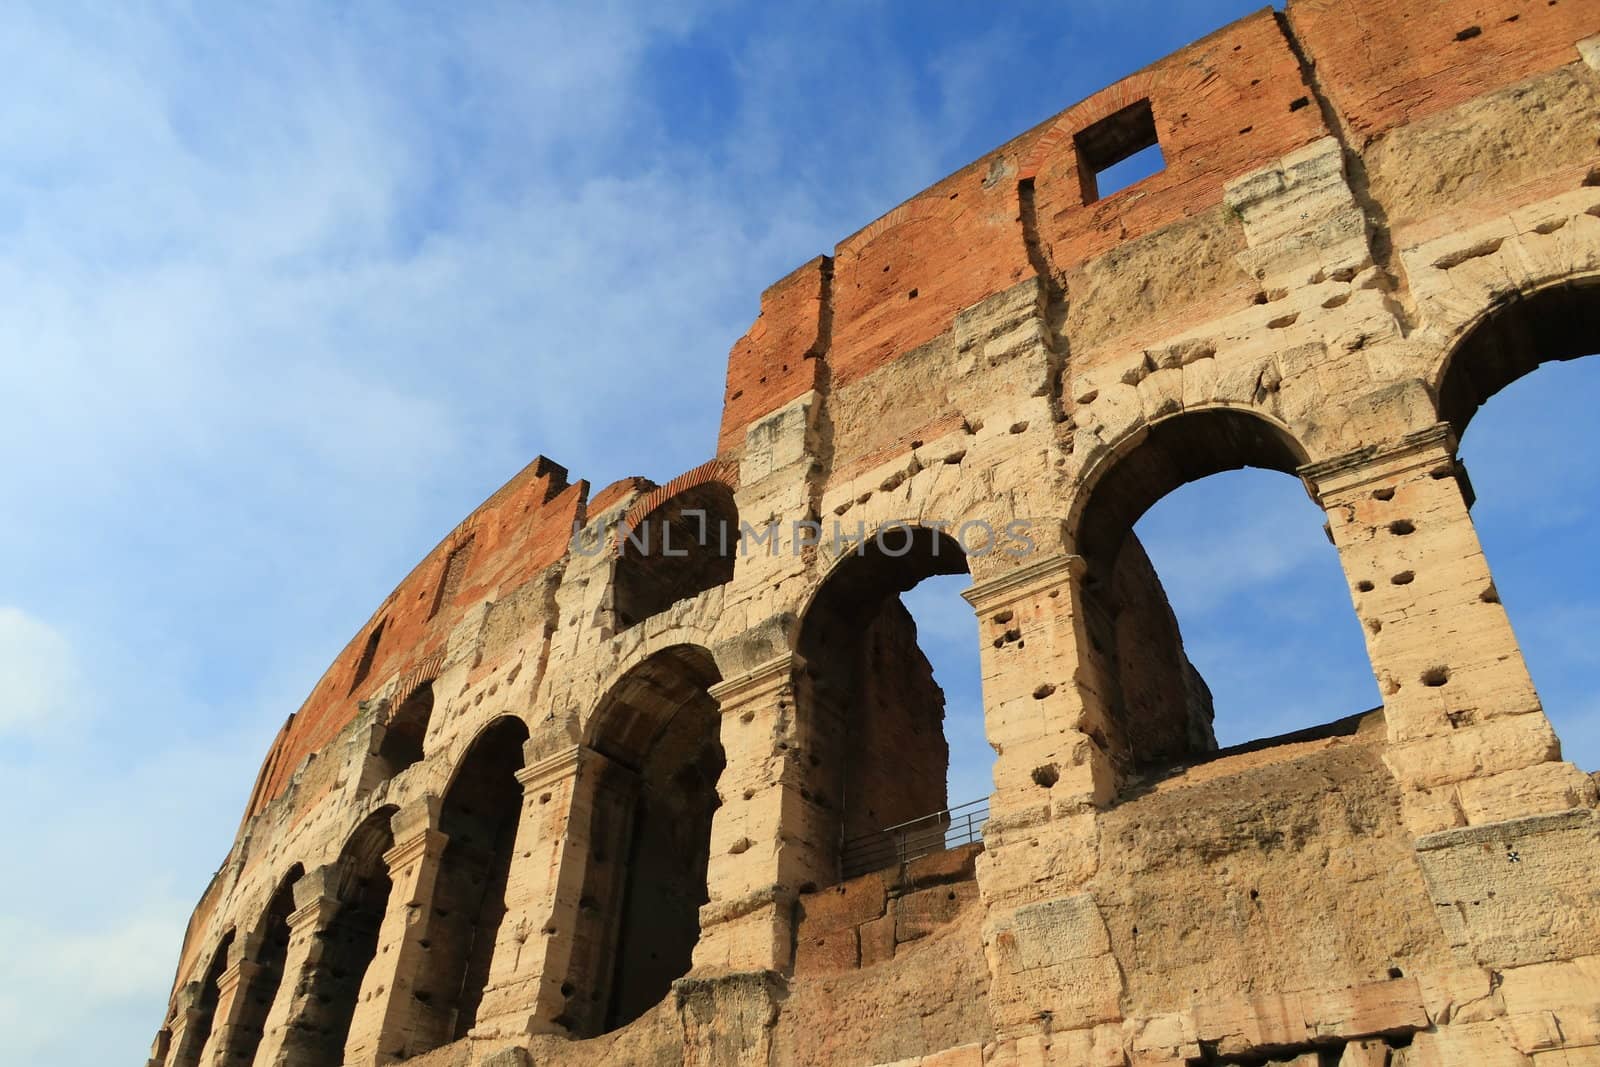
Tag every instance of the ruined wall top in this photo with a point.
(1235, 101)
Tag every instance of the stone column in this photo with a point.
(159, 1048)
(1046, 686)
(769, 840)
(547, 934)
(183, 1042)
(1048, 692)
(233, 996)
(316, 905)
(390, 1021)
(1468, 740)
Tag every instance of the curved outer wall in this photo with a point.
(1352, 188)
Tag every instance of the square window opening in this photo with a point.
(1117, 151)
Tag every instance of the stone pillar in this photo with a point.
(391, 1022)
(546, 936)
(233, 996)
(1047, 711)
(184, 1042)
(159, 1048)
(1047, 691)
(1048, 695)
(316, 905)
(769, 840)
(1469, 741)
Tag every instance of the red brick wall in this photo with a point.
(616, 491)
(1384, 63)
(516, 533)
(779, 358)
(1223, 106)
(899, 282)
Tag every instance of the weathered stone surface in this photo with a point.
(565, 798)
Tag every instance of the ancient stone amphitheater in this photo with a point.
(671, 790)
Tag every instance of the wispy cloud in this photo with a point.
(44, 687)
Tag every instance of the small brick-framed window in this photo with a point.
(455, 568)
(368, 654)
(1117, 151)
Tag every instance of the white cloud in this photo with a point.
(44, 687)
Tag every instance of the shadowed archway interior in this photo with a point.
(651, 800)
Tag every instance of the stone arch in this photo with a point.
(324, 1000)
(404, 733)
(645, 819)
(267, 947)
(675, 543)
(1513, 337)
(875, 716)
(1121, 483)
(1156, 709)
(479, 813)
(202, 1012)
(1510, 339)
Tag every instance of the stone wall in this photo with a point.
(549, 739)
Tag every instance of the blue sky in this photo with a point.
(286, 290)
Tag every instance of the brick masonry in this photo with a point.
(1372, 216)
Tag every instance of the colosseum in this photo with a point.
(655, 774)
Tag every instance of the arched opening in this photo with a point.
(1561, 322)
(1527, 441)
(479, 817)
(401, 746)
(682, 547)
(198, 1031)
(649, 839)
(1196, 522)
(272, 948)
(881, 760)
(325, 998)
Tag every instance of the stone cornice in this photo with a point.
(764, 678)
(1025, 580)
(557, 767)
(414, 847)
(1364, 466)
(315, 914)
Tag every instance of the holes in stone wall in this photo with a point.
(1403, 578)
(1118, 151)
(455, 569)
(369, 652)
(1434, 677)
(1402, 527)
(1046, 776)
(1469, 33)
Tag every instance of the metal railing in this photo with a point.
(897, 845)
